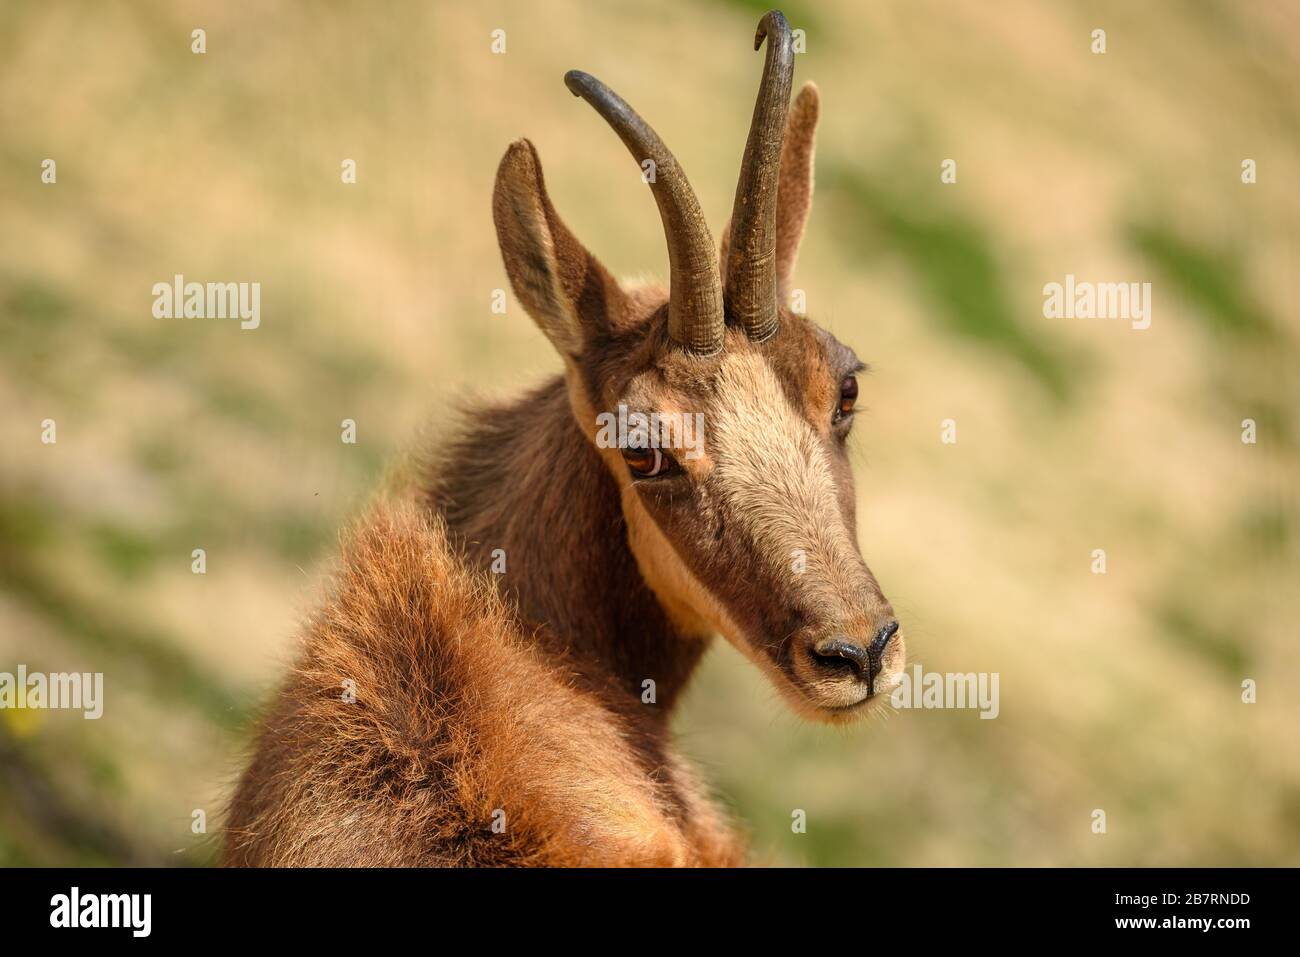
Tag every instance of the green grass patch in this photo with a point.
(1211, 279)
(952, 261)
(1188, 627)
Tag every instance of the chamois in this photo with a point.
(444, 711)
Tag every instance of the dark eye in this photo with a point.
(646, 462)
(848, 396)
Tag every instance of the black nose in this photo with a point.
(881, 642)
(841, 651)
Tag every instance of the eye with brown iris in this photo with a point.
(646, 462)
(848, 396)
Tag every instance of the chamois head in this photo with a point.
(721, 414)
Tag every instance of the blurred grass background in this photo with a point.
(1119, 691)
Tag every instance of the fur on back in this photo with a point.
(458, 721)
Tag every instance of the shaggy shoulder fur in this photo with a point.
(464, 744)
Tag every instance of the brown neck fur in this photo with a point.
(523, 478)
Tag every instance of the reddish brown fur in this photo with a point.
(457, 715)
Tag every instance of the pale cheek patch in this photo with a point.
(691, 606)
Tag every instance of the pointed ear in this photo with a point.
(794, 185)
(565, 289)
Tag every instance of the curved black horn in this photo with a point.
(695, 317)
(751, 293)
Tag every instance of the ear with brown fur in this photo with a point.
(565, 289)
(794, 190)
(794, 185)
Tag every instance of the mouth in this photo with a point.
(843, 709)
(868, 700)
(881, 688)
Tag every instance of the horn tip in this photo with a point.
(577, 81)
(773, 22)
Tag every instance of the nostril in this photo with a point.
(882, 638)
(876, 652)
(841, 653)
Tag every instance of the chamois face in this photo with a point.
(722, 416)
(739, 499)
